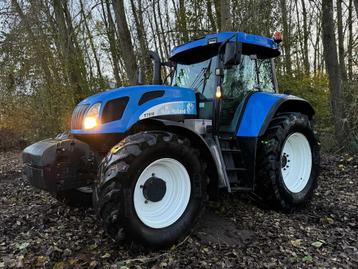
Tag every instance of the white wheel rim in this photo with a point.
(296, 162)
(171, 207)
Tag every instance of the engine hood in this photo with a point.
(144, 101)
(131, 91)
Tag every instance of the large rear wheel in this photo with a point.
(287, 162)
(151, 189)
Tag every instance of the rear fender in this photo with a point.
(262, 107)
(289, 104)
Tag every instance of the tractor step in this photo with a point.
(235, 171)
(231, 150)
(243, 189)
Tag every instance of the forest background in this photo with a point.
(53, 53)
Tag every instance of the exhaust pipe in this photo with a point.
(154, 56)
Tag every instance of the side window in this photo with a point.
(240, 78)
(244, 77)
(265, 75)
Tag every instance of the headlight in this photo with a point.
(91, 120)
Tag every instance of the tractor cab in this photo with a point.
(224, 70)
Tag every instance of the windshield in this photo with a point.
(199, 76)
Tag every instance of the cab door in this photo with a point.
(239, 82)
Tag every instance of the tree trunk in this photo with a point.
(217, 4)
(138, 20)
(157, 30)
(350, 40)
(127, 50)
(210, 15)
(183, 27)
(226, 23)
(111, 35)
(93, 48)
(333, 68)
(73, 59)
(286, 37)
(161, 27)
(306, 63)
(341, 40)
(38, 45)
(356, 5)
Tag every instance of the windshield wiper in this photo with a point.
(206, 76)
(196, 83)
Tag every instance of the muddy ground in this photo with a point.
(36, 231)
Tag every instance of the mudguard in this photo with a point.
(262, 106)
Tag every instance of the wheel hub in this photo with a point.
(162, 193)
(284, 161)
(154, 189)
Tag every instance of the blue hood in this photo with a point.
(174, 100)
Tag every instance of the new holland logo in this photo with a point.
(189, 108)
(172, 108)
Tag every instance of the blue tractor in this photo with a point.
(147, 157)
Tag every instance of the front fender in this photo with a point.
(197, 141)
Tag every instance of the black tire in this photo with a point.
(119, 172)
(270, 186)
(75, 198)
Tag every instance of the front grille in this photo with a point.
(77, 116)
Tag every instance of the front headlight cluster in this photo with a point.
(91, 119)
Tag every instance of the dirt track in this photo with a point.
(38, 232)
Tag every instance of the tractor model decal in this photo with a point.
(170, 108)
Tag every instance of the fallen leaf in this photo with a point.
(93, 264)
(107, 255)
(296, 243)
(317, 244)
(307, 258)
(59, 265)
(23, 245)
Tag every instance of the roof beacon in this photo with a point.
(277, 37)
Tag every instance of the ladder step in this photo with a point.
(230, 150)
(225, 138)
(235, 169)
(241, 189)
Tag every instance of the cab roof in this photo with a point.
(267, 47)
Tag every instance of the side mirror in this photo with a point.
(232, 53)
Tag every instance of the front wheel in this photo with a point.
(151, 189)
(288, 162)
